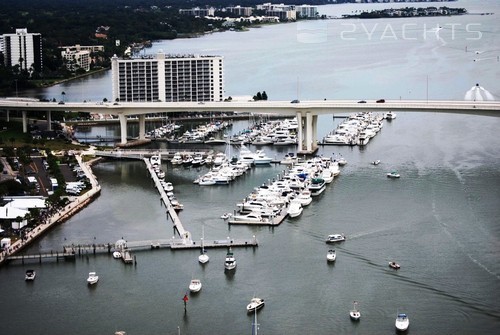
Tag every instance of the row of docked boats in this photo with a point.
(275, 132)
(167, 186)
(357, 129)
(289, 193)
(200, 134)
(225, 170)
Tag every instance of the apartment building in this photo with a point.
(168, 78)
(23, 49)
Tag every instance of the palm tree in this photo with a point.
(63, 94)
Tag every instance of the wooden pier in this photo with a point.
(166, 201)
(39, 257)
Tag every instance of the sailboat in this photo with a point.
(203, 258)
(354, 313)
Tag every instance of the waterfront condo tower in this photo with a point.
(23, 49)
(168, 78)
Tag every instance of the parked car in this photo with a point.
(361, 102)
(380, 101)
(295, 101)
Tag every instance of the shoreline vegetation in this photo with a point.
(407, 12)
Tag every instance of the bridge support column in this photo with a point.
(142, 126)
(25, 122)
(123, 128)
(49, 120)
(300, 134)
(307, 133)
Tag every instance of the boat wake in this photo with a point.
(460, 245)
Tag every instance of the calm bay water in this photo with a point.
(439, 221)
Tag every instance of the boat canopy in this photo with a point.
(401, 315)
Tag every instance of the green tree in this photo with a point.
(264, 95)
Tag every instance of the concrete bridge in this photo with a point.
(306, 111)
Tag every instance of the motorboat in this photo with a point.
(203, 257)
(394, 265)
(195, 285)
(376, 162)
(117, 255)
(354, 313)
(226, 216)
(230, 261)
(177, 159)
(327, 176)
(342, 161)
(260, 158)
(207, 181)
(393, 174)
(93, 278)
(332, 238)
(168, 187)
(336, 139)
(198, 160)
(402, 322)
(250, 217)
(317, 186)
(390, 116)
(187, 161)
(331, 255)
(295, 208)
(251, 205)
(155, 160)
(30, 275)
(161, 174)
(255, 304)
(304, 197)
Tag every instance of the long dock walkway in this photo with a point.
(170, 209)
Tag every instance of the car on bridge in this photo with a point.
(295, 101)
(380, 101)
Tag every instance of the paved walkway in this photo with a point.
(63, 214)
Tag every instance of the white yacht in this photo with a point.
(255, 304)
(155, 160)
(331, 255)
(335, 238)
(317, 186)
(402, 322)
(230, 261)
(93, 278)
(336, 139)
(195, 285)
(220, 158)
(250, 217)
(295, 208)
(304, 197)
(327, 176)
(260, 158)
(177, 159)
(390, 115)
(168, 187)
(393, 174)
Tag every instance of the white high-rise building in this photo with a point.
(168, 78)
(23, 49)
